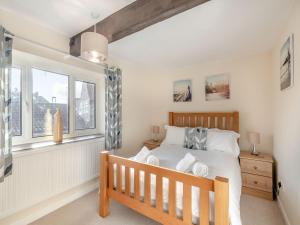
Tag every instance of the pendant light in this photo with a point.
(94, 46)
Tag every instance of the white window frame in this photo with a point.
(95, 102)
(22, 90)
(26, 93)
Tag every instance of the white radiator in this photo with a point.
(43, 173)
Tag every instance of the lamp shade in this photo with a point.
(254, 138)
(93, 47)
(155, 129)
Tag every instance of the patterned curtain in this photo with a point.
(113, 108)
(5, 107)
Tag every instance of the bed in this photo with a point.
(172, 197)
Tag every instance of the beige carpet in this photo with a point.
(83, 211)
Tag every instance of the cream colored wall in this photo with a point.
(137, 95)
(30, 29)
(250, 94)
(286, 110)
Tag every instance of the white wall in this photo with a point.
(286, 110)
(137, 97)
(250, 94)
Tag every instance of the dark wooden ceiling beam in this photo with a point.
(135, 17)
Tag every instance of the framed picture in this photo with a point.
(217, 87)
(182, 91)
(287, 64)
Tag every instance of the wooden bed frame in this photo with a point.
(220, 185)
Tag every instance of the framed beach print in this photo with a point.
(217, 87)
(287, 64)
(182, 91)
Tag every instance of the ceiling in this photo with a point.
(219, 29)
(68, 17)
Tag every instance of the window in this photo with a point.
(49, 92)
(85, 105)
(16, 102)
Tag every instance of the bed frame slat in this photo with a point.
(212, 121)
(205, 120)
(147, 188)
(172, 197)
(204, 207)
(119, 177)
(228, 122)
(111, 176)
(159, 193)
(192, 121)
(187, 204)
(186, 120)
(137, 184)
(220, 121)
(127, 181)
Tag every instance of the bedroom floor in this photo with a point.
(83, 211)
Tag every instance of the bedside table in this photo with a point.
(151, 144)
(257, 174)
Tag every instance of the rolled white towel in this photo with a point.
(200, 169)
(142, 155)
(152, 160)
(185, 163)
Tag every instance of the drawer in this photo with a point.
(257, 167)
(257, 182)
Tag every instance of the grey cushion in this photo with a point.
(195, 138)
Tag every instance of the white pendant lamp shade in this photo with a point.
(94, 47)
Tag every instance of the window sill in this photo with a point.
(43, 144)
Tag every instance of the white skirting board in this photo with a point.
(35, 212)
(283, 212)
(41, 174)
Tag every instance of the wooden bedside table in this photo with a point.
(257, 174)
(151, 144)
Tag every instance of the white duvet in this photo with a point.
(219, 164)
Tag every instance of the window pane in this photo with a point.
(49, 92)
(85, 105)
(16, 102)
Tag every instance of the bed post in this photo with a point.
(103, 184)
(236, 126)
(221, 201)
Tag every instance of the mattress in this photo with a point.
(219, 164)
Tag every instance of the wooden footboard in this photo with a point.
(108, 190)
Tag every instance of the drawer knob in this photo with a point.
(255, 167)
(255, 182)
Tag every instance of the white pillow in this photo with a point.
(142, 155)
(174, 136)
(223, 140)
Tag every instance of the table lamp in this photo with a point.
(155, 133)
(254, 139)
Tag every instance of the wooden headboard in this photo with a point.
(221, 120)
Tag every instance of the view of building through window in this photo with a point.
(16, 102)
(85, 105)
(50, 91)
